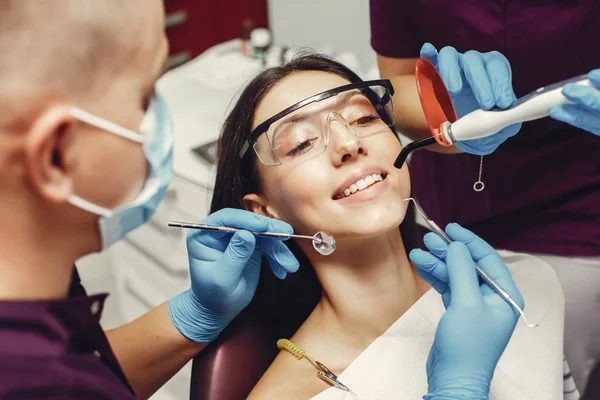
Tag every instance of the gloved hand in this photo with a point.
(224, 271)
(475, 80)
(585, 113)
(478, 323)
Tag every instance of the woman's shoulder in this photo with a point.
(288, 378)
(541, 289)
(291, 378)
(530, 272)
(531, 366)
(514, 259)
(284, 380)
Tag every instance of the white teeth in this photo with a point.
(360, 185)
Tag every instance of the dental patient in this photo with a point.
(313, 145)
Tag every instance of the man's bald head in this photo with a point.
(67, 50)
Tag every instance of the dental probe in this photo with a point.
(480, 272)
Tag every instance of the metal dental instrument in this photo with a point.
(331, 378)
(323, 242)
(480, 272)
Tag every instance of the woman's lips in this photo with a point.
(367, 194)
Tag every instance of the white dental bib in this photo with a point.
(531, 368)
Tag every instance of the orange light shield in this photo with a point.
(435, 99)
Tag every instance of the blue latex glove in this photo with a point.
(478, 323)
(585, 113)
(224, 271)
(475, 80)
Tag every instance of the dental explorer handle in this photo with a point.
(536, 105)
(189, 225)
(483, 275)
(480, 272)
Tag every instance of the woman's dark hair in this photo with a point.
(286, 304)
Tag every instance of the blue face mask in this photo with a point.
(156, 136)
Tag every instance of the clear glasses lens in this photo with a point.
(302, 134)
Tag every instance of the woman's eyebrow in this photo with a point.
(302, 116)
(345, 97)
(296, 117)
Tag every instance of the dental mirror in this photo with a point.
(324, 243)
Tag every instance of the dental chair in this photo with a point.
(231, 366)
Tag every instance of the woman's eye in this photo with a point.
(367, 119)
(302, 147)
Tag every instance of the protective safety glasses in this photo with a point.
(302, 131)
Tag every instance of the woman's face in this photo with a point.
(312, 194)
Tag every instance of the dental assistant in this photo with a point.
(541, 185)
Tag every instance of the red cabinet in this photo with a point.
(193, 26)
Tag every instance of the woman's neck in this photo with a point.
(367, 286)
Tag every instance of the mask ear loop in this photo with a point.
(105, 125)
(89, 206)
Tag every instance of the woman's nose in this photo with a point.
(344, 142)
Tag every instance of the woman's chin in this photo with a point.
(364, 227)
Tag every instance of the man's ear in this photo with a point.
(258, 205)
(47, 154)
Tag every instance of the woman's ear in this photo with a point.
(47, 154)
(258, 205)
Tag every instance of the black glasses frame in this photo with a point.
(365, 85)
